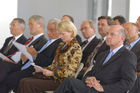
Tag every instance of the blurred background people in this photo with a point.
(119, 20)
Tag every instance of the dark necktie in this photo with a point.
(84, 43)
(128, 46)
(92, 55)
(9, 45)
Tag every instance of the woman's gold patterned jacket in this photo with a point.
(66, 61)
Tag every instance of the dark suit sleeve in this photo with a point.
(44, 60)
(127, 78)
(46, 57)
(79, 39)
(5, 45)
(138, 65)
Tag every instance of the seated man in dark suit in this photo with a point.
(114, 71)
(36, 25)
(88, 46)
(43, 57)
(133, 40)
(133, 44)
(88, 31)
(17, 27)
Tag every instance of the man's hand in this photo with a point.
(8, 60)
(89, 82)
(23, 58)
(47, 72)
(93, 82)
(32, 51)
(37, 69)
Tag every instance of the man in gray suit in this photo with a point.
(114, 71)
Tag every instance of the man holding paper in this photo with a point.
(43, 57)
(36, 26)
(17, 27)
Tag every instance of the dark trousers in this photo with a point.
(6, 68)
(71, 85)
(13, 79)
(136, 87)
(32, 85)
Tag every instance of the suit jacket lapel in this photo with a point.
(136, 46)
(35, 41)
(90, 43)
(116, 55)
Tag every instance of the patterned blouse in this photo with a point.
(66, 61)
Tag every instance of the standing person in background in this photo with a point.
(70, 18)
(65, 64)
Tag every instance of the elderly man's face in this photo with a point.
(113, 37)
(131, 31)
(86, 30)
(51, 31)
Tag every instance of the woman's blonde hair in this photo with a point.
(67, 26)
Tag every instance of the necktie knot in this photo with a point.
(127, 45)
(29, 40)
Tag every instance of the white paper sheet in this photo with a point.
(22, 48)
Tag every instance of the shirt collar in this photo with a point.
(116, 49)
(37, 36)
(133, 43)
(17, 37)
(90, 38)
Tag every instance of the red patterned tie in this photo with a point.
(29, 40)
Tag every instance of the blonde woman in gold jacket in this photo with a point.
(65, 63)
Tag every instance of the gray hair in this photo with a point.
(20, 21)
(54, 21)
(122, 32)
(39, 19)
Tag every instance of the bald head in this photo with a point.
(131, 31)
